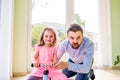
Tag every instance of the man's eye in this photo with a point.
(72, 38)
(78, 37)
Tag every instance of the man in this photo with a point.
(80, 50)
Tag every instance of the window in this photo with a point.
(86, 14)
(48, 12)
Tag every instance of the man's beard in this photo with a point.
(75, 45)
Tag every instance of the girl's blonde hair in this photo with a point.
(41, 41)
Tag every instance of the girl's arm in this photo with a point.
(55, 60)
(35, 57)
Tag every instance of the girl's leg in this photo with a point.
(34, 78)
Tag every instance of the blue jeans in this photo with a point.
(79, 76)
(34, 78)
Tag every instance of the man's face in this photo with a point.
(75, 38)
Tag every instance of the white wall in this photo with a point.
(6, 39)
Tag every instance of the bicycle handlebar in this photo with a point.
(38, 65)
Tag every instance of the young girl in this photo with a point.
(45, 53)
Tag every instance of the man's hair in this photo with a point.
(75, 27)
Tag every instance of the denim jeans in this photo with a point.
(34, 78)
(79, 76)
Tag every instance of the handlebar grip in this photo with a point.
(33, 65)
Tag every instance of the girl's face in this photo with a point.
(48, 38)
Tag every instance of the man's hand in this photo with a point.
(61, 65)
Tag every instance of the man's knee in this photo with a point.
(69, 73)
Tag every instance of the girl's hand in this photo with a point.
(53, 63)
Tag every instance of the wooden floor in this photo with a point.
(100, 75)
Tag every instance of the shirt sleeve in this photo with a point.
(87, 62)
(61, 50)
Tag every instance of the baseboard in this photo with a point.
(107, 67)
(19, 74)
(28, 72)
(115, 67)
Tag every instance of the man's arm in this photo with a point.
(81, 68)
(61, 49)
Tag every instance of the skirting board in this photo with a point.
(19, 74)
(107, 67)
(115, 67)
